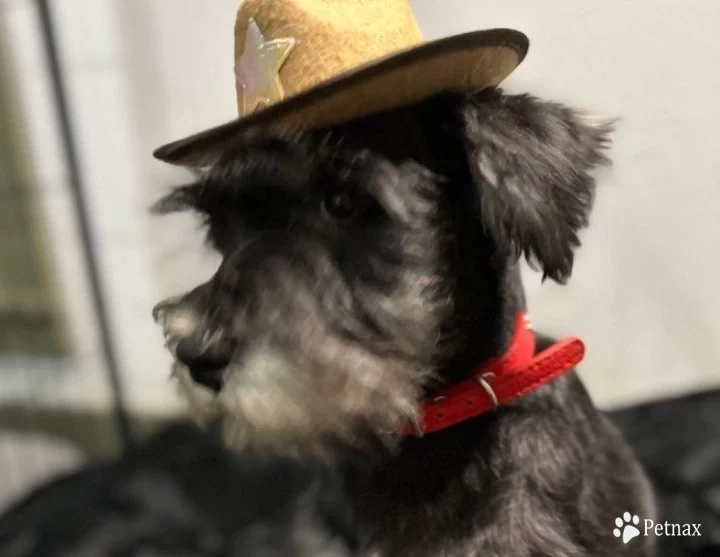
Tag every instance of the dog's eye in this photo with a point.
(341, 204)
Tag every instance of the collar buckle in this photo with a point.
(481, 379)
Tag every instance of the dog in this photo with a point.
(181, 494)
(368, 266)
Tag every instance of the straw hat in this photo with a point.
(303, 64)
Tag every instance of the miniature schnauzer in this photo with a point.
(369, 266)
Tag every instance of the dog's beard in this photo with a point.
(308, 402)
(313, 387)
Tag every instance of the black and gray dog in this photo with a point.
(368, 266)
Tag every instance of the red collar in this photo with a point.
(514, 374)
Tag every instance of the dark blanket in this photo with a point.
(182, 495)
(678, 441)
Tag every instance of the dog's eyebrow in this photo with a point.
(209, 189)
(281, 165)
(181, 198)
(259, 178)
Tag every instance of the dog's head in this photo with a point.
(353, 259)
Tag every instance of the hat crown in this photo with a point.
(314, 64)
(285, 47)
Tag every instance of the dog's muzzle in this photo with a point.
(205, 354)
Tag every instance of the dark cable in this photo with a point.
(77, 189)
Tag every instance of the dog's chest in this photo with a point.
(542, 477)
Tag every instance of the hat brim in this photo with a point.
(461, 63)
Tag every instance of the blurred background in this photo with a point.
(88, 88)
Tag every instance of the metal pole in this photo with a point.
(77, 190)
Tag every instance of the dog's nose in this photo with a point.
(206, 363)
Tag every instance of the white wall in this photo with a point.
(644, 293)
(143, 72)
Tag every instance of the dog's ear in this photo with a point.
(531, 163)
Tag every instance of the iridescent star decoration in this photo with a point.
(257, 68)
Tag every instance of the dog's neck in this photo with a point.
(487, 301)
(410, 473)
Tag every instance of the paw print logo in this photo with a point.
(627, 527)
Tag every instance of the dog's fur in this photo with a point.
(181, 494)
(365, 267)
